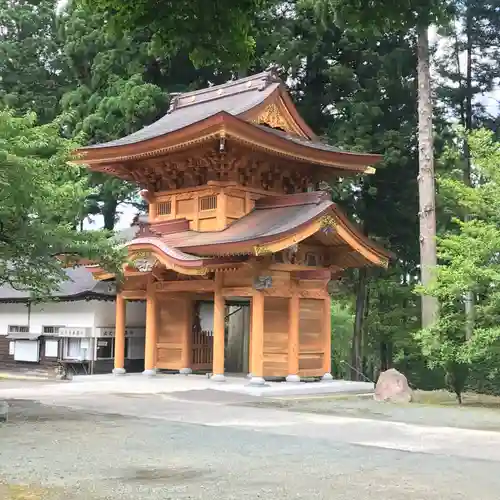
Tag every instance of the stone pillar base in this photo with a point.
(257, 382)
(327, 377)
(185, 371)
(219, 377)
(119, 371)
(149, 373)
(293, 378)
(249, 375)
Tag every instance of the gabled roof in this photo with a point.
(256, 110)
(80, 285)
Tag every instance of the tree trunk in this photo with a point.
(469, 298)
(357, 334)
(109, 213)
(426, 188)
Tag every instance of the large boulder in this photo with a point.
(392, 386)
(4, 411)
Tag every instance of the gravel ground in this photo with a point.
(419, 414)
(60, 453)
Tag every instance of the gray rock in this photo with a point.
(4, 411)
(392, 386)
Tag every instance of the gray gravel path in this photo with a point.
(465, 417)
(86, 455)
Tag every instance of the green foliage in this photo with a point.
(32, 73)
(342, 325)
(41, 204)
(469, 263)
(209, 31)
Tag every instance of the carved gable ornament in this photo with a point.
(272, 117)
(144, 261)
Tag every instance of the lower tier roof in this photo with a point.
(275, 224)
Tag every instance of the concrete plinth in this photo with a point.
(219, 377)
(119, 371)
(327, 377)
(257, 382)
(293, 379)
(185, 371)
(149, 373)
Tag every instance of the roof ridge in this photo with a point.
(266, 78)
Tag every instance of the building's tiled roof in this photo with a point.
(234, 97)
(79, 285)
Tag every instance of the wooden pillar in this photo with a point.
(219, 327)
(257, 339)
(121, 305)
(150, 344)
(293, 338)
(187, 337)
(327, 338)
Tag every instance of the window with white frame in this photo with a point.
(77, 349)
(18, 329)
(51, 330)
(104, 348)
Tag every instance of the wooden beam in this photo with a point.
(219, 330)
(293, 338)
(327, 329)
(257, 336)
(237, 291)
(150, 344)
(186, 286)
(187, 337)
(119, 367)
(134, 294)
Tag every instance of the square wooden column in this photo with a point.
(219, 331)
(293, 338)
(187, 337)
(327, 338)
(121, 305)
(150, 344)
(257, 340)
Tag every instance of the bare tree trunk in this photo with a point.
(469, 298)
(357, 334)
(426, 187)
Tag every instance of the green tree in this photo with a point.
(41, 202)
(358, 91)
(33, 75)
(208, 31)
(116, 92)
(415, 17)
(469, 262)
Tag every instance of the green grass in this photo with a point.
(445, 398)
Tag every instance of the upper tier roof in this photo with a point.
(256, 110)
(233, 97)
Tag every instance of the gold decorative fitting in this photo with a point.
(327, 222)
(261, 250)
(370, 170)
(272, 117)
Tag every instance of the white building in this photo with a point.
(76, 328)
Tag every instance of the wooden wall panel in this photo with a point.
(171, 314)
(207, 224)
(235, 206)
(311, 337)
(275, 337)
(239, 278)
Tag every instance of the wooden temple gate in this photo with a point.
(231, 176)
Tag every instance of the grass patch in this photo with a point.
(445, 398)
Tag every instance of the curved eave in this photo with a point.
(332, 217)
(224, 124)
